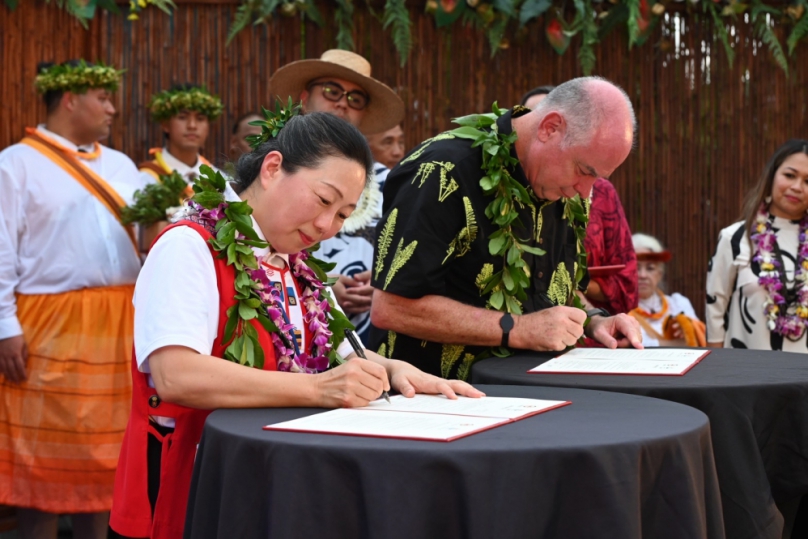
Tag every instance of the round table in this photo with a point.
(608, 465)
(757, 402)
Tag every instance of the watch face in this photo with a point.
(506, 322)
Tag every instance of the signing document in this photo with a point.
(422, 417)
(651, 361)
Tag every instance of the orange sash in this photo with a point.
(88, 179)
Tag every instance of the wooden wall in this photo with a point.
(705, 129)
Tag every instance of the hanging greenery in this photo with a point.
(504, 21)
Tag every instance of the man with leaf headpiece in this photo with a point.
(480, 249)
(184, 113)
(67, 271)
(340, 83)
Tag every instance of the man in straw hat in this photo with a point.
(340, 83)
(67, 272)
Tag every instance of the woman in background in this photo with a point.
(756, 292)
(665, 320)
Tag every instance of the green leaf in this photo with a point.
(633, 18)
(253, 302)
(497, 299)
(533, 250)
(532, 9)
(768, 36)
(486, 183)
(230, 326)
(246, 312)
(507, 280)
(397, 15)
(512, 305)
(311, 11)
(496, 244)
(495, 34)
(513, 254)
(800, 31)
(475, 120)
(493, 149)
(343, 16)
(492, 282)
(269, 326)
(466, 132)
(721, 30)
(208, 199)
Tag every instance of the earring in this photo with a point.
(768, 200)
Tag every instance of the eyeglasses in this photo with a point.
(334, 92)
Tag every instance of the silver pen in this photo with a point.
(360, 351)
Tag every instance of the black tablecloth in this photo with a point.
(607, 466)
(757, 402)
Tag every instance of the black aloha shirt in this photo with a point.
(433, 239)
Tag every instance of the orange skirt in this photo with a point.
(61, 429)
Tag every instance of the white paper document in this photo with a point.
(652, 361)
(423, 417)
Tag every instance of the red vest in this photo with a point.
(131, 512)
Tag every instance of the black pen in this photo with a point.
(360, 351)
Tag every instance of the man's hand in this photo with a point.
(409, 380)
(620, 331)
(354, 293)
(549, 329)
(13, 358)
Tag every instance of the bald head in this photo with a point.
(590, 105)
(582, 130)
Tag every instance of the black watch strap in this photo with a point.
(506, 323)
(597, 312)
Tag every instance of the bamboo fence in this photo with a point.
(705, 129)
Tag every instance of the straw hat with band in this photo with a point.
(384, 110)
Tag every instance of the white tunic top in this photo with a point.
(54, 235)
(734, 297)
(677, 304)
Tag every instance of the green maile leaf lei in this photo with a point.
(153, 201)
(506, 288)
(256, 298)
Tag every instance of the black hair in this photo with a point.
(180, 87)
(539, 90)
(52, 98)
(304, 142)
(242, 118)
(763, 189)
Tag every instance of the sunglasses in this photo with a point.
(334, 92)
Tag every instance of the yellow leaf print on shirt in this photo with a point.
(401, 257)
(465, 368)
(385, 240)
(538, 218)
(462, 242)
(425, 170)
(449, 355)
(560, 285)
(417, 153)
(485, 273)
(386, 350)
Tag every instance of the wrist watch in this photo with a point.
(597, 312)
(506, 323)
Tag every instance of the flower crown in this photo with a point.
(273, 122)
(169, 103)
(77, 78)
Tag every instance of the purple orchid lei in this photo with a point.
(313, 298)
(772, 278)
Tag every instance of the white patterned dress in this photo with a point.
(735, 299)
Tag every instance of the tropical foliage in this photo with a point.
(506, 21)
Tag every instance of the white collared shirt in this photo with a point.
(55, 236)
(177, 297)
(188, 173)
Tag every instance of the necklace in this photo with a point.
(655, 316)
(256, 298)
(786, 318)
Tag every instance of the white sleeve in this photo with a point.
(176, 296)
(682, 305)
(720, 281)
(12, 224)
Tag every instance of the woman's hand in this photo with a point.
(356, 382)
(409, 380)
